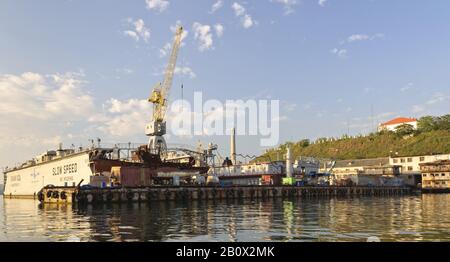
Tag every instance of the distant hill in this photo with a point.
(431, 137)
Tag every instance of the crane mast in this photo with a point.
(156, 129)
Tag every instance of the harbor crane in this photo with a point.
(156, 129)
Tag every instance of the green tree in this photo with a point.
(404, 130)
(304, 143)
(443, 122)
(426, 124)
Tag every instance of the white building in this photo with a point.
(410, 164)
(436, 176)
(396, 122)
(348, 169)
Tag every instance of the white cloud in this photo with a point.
(131, 34)
(43, 97)
(436, 98)
(123, 118)
(342, 52)
(202, 33)
(157, 5)
(139, 30)
(363, 37)
(165, 50)
(407, 87)
(116, 106)
(182, 70)
(357, 37)
(216, 6)
(287, 5)
(219, 30)
(239, 10)
(339, 52)
(246, 19)
(322, 2)
(185, 70)
(37, 109)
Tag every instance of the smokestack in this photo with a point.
(233, 146)
(288, 161)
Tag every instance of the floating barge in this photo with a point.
(67, 195)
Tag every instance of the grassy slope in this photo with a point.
(377, 145)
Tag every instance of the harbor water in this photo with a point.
(403, 218)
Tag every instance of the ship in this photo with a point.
(99, 167)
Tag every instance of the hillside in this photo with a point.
(430, 138)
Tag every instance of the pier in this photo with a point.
(195, 193)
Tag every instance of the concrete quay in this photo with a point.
(201, 193)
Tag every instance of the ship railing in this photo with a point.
(121, 146)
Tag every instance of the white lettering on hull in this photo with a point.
(67, 171)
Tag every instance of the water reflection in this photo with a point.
(415, 218)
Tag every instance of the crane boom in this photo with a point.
(160, 94)
(167, 84)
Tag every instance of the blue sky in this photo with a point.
(328, 62)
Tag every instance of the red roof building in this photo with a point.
(394, 123)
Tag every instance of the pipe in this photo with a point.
(233, 146)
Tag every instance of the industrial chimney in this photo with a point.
(288, 161)
(233, 146)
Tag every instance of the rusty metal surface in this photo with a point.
(169, 193)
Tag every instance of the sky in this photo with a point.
(75, 70)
